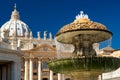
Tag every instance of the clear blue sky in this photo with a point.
(51, 15)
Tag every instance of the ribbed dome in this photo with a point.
(15, 26)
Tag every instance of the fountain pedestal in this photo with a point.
(86, 76)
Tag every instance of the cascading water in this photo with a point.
(64, 50)
(76, 55)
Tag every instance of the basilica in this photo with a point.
(23, 57)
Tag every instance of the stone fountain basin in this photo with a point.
(84, 65)
(96, 35)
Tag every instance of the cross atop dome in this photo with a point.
(14, 6)
(15, 14)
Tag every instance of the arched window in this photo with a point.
(35, 66)
(44, 65)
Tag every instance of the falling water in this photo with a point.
(64, 50)
(106, 43)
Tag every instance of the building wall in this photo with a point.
(13, 58)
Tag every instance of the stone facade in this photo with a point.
(10, 64)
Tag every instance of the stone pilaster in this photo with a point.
(63, 77)
(59, 76)
(26, 70)
(31, 69)
(51, 75)
(4, 73)
(39, 69)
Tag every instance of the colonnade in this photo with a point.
(5, 72)
(28, 71)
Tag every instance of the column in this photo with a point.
(51, 75)
(100, 77)
(16, 71)
(4, 74)
(31, 70)
(0, 72)
(8, 71)
(39, 70)
(63, 77)
(26, 70)
(59, 76)
(12, 71)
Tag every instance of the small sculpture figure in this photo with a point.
(45, 34)
(50, 36)
(82, 15)
(4, 35)
(31, 35)
(38, 34)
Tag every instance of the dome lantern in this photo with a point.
(15, 14)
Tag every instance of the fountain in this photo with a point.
(84, 64)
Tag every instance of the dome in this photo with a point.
(15, 26)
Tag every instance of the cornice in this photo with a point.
(9, 51)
